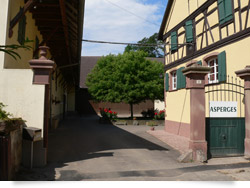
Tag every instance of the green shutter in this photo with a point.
(174, 41)
(228, 10)
(221, 11)
(222, 71)
(189, 31)
(181, 78)
(199, 63)
(21, 30)
(166, 82)
(225, 11)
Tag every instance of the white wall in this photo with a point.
(21, 97)
(160, 105)
(3, 30)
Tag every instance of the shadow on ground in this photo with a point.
(82, 138)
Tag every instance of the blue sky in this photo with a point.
(106, 20)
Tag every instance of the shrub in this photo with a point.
(159, 115)
(3, 114)
(144, 113)
(149, 113)
(106, 113)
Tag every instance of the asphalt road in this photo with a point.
(81, 149)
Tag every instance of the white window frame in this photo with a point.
(174, 80)
(215, 70)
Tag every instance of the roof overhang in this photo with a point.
(165, 18)
(60, 22)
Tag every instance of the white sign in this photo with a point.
(223, 108)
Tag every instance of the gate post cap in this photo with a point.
(244, 73)
(42, 67)
(196, 69)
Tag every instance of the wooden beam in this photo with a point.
(65, 26)
(48, 5)
(47, 19)
(209, 28)
(248, 7)
(46, 40)
(71, 7)
(20, 14)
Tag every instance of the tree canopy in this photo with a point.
(128, 77)
(153, 51)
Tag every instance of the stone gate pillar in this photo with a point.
(196, 83)
(245, 75)
(42, 69)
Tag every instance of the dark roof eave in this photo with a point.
(164, 21)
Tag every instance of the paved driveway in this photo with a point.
(83, 149)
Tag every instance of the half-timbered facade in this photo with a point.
(205, 33)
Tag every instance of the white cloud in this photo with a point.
(106, 22)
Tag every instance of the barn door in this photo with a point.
(225, 136)
(225, 122)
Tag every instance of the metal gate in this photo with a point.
(225, 122)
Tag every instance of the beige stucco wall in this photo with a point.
(23, 99)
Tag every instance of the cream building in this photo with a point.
(214, 34)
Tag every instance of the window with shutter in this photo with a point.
(218, 71)
(222, 67)
(166, 82)
(21, 30)
(199, 63)
(213, 75)
(225, 9)
(189, 31)
(174, 80)
(174, 41)
(181, 79)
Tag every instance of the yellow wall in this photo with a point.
(180, 10)
(31, 32)
(57, 109)
(237, 53)
(237, 56)
(202, 40)
(71, 100)
(178, 104)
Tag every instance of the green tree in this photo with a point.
(128, 77)
(153, 51)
